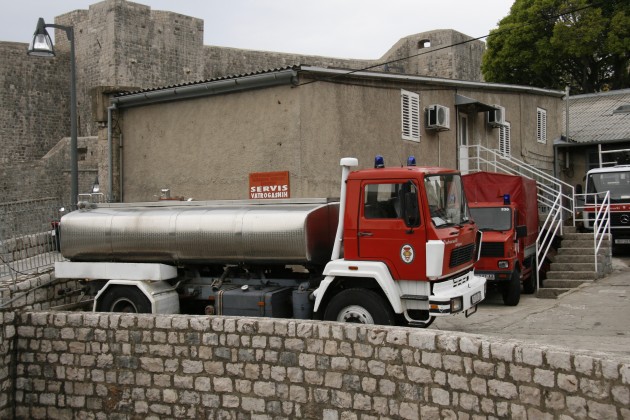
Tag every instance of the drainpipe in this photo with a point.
(120, 166)
(110, 154)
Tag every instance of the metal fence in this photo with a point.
(29, 239)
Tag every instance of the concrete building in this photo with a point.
(597, 122)
(204, 139)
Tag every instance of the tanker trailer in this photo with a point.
(266, 251)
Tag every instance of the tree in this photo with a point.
(584, 44)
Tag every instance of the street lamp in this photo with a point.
(42, 46)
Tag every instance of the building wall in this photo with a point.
(205, 148)
(97, 365)
(34, 106)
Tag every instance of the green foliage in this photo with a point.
(584, 44)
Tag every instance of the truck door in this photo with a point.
(384, 234)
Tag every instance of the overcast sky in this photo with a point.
(336, 28)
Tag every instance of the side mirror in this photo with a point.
(521, 231)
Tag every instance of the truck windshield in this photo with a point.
(492, 218)
(447, 202)
(618, 183)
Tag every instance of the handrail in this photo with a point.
(548, 232)
(601, 219)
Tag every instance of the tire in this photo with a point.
(127, 299)
(531, 284)
(511, 290)
(359, 306)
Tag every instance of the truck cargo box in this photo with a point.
(491, 186)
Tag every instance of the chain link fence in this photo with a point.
(29, 236)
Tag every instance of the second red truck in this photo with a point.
(505, 208)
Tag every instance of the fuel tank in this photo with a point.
(212, 232)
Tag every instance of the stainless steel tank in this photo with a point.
(202, 232)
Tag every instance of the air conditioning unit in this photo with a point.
(438, 117)
(496, 117)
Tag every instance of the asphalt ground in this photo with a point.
(594, 317)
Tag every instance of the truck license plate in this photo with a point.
(622, 241)
(486, 276)
(475, 298)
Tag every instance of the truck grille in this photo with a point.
(462, 255)
(492, 249)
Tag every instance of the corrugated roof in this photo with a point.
(233, 76)
(592, 117)
(333, 73)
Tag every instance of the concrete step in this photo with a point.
(569, 229)
(564, 283)
(580, 236)
(590, 251)
(571, 259)
(574, 266)
(551, 292)
(583, 243)
(572, 275)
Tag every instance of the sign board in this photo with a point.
(269, 185)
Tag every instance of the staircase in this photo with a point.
(574, 264)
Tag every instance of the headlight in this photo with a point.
(504, 264)
(456, 304)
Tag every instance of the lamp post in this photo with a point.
(42, 46)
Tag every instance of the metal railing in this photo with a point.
(548, 232)
(595, 211)
(29, 239)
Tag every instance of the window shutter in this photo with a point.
(505, 147)
(541, 125)
(410, 107)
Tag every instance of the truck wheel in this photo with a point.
(359, 306)
(126, 299)
(530, 285)
(512, 289)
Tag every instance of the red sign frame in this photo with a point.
(269, 185)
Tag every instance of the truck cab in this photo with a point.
(615, 179)
(412, 225)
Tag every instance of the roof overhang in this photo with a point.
(471, 105)
(561, 142)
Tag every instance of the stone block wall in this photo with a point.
(7, 363)
(93, 365)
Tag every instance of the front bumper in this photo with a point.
(494, 276)
(457, 295)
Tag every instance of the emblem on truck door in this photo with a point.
(407, 254)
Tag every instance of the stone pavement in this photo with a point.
(592, 317)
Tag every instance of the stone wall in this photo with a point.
(34, 292)
(92, 365)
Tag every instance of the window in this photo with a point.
(446, 199)
(410, 107)
(505, 147)
(541, 125)
(382, 201)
